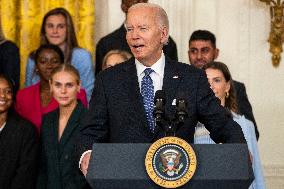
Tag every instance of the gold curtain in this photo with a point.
(21, 22)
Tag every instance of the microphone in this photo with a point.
(181, 111)
(160, 101)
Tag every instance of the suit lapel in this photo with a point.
(132, 86)
(171, 81)
(172, 78)
(53, 123)
(72, 123)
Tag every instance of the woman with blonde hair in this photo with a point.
(58, 29)
(60, 129)
(114, 57)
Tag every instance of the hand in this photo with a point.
(85, 163)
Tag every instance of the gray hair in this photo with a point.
(160, 14)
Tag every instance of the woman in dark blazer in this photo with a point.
(18, 144)
(59, 168)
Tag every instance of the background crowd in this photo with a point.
(60, 86)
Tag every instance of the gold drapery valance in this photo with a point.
(21, 22)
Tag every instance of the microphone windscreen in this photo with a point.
(160, 94)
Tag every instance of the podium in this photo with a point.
(121, 166)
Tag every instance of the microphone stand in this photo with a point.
(170, 125)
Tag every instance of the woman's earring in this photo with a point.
(227, 94)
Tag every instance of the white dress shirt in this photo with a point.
(157, 76)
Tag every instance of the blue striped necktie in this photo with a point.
(147, 91)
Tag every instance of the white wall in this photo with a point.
(242, 28)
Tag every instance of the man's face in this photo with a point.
(201, 52)
(144, 35)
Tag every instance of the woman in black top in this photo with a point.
(18, 144)
(59, 133)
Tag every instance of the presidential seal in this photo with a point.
(170, 162)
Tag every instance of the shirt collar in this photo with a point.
(2, 127)
(158, 67)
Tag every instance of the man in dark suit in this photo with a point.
(116, 40)
(202, 50)
(121, 106)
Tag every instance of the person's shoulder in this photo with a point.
(243, 122)
(52, 113)
(112, 37)
(81, 109)
(184, 67)
(114, 34)
(9, 46)
(124, 66)
(20, 122)
(117, 73)
(241, 119)
(81, 58)
(171, 40)
(49, 117)
(239, 87)
(238, 83)
(80, 52)
(28, 90)
(9, 43)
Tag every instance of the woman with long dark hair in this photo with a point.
(57, 28)
(221, 83)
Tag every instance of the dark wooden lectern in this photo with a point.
(219, 166)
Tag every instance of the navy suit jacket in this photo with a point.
(117, 115)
